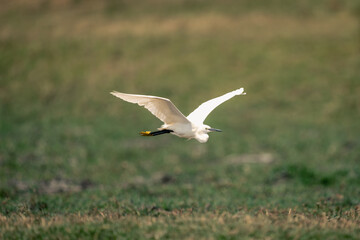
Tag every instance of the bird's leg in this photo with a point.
(149, 133)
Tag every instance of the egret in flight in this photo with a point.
(175, 122)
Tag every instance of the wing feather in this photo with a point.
(200, 113)
(162, 108)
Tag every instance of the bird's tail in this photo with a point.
(149, 133)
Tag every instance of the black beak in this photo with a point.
(214, 130)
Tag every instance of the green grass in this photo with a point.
(286, 166)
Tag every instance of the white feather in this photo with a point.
(199, 114)
(186, 127)
(162, 108)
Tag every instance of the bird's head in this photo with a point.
(210, 129)
(202, 133)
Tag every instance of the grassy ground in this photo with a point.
(286, 166)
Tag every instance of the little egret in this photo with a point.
(174, 121)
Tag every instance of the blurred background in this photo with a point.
(292, 141)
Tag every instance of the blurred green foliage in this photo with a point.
(68, 147)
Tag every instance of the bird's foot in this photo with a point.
(146, 133)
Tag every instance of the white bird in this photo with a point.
(174, 121)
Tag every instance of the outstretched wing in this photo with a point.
(200, 114)
(162, 108)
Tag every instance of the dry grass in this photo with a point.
(254, 25)
(189, 222)
(249, 26)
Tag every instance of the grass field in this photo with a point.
(286, 166)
